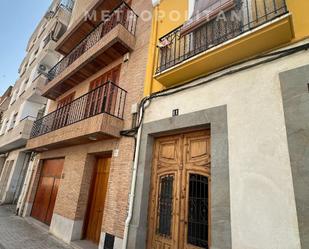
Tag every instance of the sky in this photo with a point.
(18, 20)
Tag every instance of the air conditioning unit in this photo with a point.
(43, 69)
(58, 31)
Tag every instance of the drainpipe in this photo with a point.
(149, 74)
(133, 186)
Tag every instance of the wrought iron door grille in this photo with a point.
(198, 211)
(245, 15)
(165, 206)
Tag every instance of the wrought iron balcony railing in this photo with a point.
(107, 98)
(68, 4)
(198, 36)
(123, 15)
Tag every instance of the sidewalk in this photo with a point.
(17, 233)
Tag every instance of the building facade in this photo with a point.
(26, 102)
(4, 103)
(82, 172)
(224, 137)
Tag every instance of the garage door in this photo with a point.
(45, 198)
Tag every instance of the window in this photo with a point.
(34, 55)
(1, 120)
(5, 125)
(36, 52)
(66, 100)
(24, 69)
(14, 95)
(23, 87)
(112, 75)
(198, 211)
(13, 123)
(26, 83)
(41, 113)
(63, 111)
(165, 206)
(47, 39)
(42, 29)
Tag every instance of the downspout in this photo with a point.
(149, 75)
(132, 191)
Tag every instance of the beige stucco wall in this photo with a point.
(263, 213)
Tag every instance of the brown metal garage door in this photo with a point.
(46, 194)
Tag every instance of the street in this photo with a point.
(17, 233)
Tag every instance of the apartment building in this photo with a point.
(81, 180)
(223, 159)
(26, 102)
(4, 103)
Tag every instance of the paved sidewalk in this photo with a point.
(17, 233)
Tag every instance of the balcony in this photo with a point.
(34, 92)
(110, 40)
(82, 25)
(64, 5)
(204, 45)
(94, 116)
(16, 137)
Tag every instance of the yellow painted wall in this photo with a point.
(164, 23)
(299, 10)
(161, 25)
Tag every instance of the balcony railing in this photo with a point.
(123, 15)
(67, 4)
(107, 98)
(63, 4)
(196, 37)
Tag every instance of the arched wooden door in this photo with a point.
(180, 192)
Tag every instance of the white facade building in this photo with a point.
(27, 104)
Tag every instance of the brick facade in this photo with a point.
(72, 198)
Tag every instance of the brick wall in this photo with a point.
(72, 199)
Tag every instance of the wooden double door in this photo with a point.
(179, 213)
(98, 191)
(45, 198)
